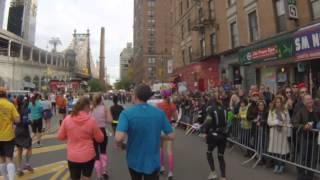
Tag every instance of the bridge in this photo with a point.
(24, 66)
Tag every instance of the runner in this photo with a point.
(36, 109)
(53, 103)
(143, 125)
(23, 138)
(8, 116)
(216, 136)
(103, 116)
(115, 111)
(47, 114)
(62, 107)
(171, 113)
(79, 129)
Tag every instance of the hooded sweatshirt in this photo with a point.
(79, 132)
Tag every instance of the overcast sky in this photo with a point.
(59, 18)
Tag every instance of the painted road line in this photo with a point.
(42, 150)
(66, 176)
(44, 170)
(45, 137)
(57, 174)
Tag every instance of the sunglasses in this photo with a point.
(288, 92)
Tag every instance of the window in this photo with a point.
(280, 15)
(200, 13)
(182, 32)
(151, 50)
(234, 35)
(213, 43)
(181, 8)
(188, 4)
(315, 5)
(183, 57)
(151, 3)
(151, 13)
(151, 60)
(211, 9)
(253, 26)
(202, 47)
(190, 53)
(189, 25)
(231, 2)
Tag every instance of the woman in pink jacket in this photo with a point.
(79, 130)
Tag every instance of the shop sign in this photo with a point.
(272, 49)
(307, 43)
(292, 9)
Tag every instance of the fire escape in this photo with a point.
(205, 21)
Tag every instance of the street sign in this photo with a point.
(292, 9)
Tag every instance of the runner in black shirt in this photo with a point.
(115, 111)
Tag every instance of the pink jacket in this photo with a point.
(80, 131)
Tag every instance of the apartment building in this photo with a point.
(257, 38)
(152, 40)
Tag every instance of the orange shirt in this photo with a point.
(168, 109)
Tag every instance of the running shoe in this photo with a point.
(170, 176)
(28, 168)
(20, 173)
(105, 176)
(213, 175)
(162, 170)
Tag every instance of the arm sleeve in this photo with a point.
(166, 127)
(297, 120)
(123, 123)
(271, 120)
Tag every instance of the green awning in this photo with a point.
(271, 49)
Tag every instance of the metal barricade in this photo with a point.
(294, 146)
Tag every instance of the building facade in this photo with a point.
(22, 19)
(126, 58)
(2, 11)
(152, 40)
(255, 38)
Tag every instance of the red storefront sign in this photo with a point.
(62, 85)
(201, 75)
(265, 53)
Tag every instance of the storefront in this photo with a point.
(64, 86)
(200, 76)
(271, 62)
(307, 47)
(230, 69)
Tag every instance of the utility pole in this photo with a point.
(102, 70)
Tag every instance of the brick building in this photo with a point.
(254, 37)
(152, 40)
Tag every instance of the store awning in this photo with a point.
(307, 43)
(271, 49)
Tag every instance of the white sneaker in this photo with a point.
(213, 175)
(162, 170)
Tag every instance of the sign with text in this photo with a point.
(276, 48)
(307, 43)
(292, 9)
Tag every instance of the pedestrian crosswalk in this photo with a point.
(52, 171)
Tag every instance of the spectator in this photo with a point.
(279, 122)
(305, 120)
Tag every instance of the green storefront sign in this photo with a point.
(276, 48)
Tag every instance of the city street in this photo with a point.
(50, 163)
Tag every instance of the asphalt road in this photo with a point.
(189, 158)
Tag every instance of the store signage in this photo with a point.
(292, 9)
(271, 49)
(307, 43)
(263, 53)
